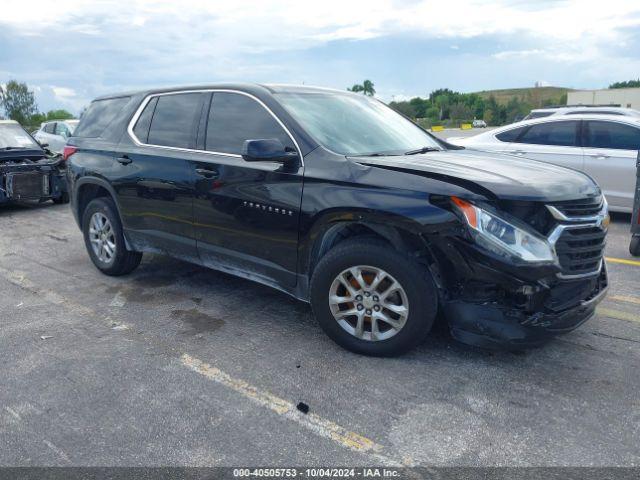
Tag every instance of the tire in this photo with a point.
(64, 198)
(371, 255)
(121, 261)
(634, 246)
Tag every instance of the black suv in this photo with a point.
(336, 199)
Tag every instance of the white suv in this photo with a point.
(577, 109)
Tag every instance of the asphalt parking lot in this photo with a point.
(179, 365)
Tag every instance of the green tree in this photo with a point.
(18, 102)
(366, 87)
(59, 115)
(627, 84)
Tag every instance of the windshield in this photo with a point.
(355, 125)
(13, 136)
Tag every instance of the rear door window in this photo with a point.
(234, 118)
(175, 120)
(612, 135)
(99, 115)
(50, 127)
(551, 133)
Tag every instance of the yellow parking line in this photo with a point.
(625, 298)
(623, 260)
(320, 426)
(618, 315)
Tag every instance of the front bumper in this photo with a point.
(497, 325)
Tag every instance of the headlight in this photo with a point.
(503, 237)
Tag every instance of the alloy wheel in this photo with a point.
(102, 237)
(368, 303)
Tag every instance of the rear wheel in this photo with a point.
(372, 299)
(104, 240)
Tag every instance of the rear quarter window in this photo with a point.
(99, 115)
(510, 135)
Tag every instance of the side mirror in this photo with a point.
(269, 150)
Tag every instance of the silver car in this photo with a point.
(56, 133)
(603, 146)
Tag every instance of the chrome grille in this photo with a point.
(580, 249)
(584, 207)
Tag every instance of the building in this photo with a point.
(623, 97)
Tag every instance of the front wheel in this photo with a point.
(372, 299)
(104, 240)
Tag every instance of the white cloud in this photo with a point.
(108, 45)
(63, 92)
(276, 23)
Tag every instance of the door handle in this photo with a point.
(124, 160)
(600, 156)
(207, 173)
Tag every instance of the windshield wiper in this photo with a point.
(375, 154)
(422, 150)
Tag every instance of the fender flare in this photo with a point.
(91, 180)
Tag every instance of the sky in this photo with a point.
(70, 51)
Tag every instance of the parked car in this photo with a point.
(479, 124)
(27, 172)
(55, 134)
(578, 109)
(602, 146)
(337, 200)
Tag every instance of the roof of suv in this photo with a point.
(576, 110)
(581, 116)
(272, 88)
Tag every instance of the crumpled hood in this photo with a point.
(505, 176)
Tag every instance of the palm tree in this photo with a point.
(367, 88)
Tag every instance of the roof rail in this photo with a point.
(615, 105)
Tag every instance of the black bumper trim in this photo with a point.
(497, 326)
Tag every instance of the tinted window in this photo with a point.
(174, 120)
(99, 115)
(49, 127)
(510, 135)
(234, 118)
(141, 130)
(612, 135)
(552, 133)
